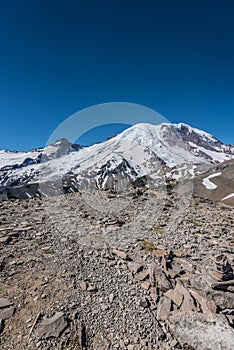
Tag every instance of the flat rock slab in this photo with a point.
(6, 313)
(164, 308)
(121, 254)
(175, 296)
(142, 275)
(5, 303)
(52, 327)
(202, 331)
(135, 267)
(5, 240)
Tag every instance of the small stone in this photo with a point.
(145, 285)
(91, 288)
(173, 343)
(144, 303)
(111, 298)
(104, 307)
(142, 275)
(179, 253)
(120, 254)
(135, 267)
(175, 296)
(216, 274)
(159, 253)
(230, 319)
(83, 285)
(153, 289)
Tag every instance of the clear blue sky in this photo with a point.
(58, 57)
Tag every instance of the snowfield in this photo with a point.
(227, 197)
(208, 184)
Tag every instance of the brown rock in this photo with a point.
(216, 274)
(153, 289)
(135, 267)
(175, 296)
(184, 263)
(83, 285)
(162, 281)
(159, 253)
(120, 254)
(145, 285)
(180, 254)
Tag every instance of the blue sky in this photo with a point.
(58, 57)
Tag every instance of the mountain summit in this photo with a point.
(161, 152)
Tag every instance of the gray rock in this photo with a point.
(164, 308)
(142, 275)
(144, 303)
(5, 303)
(52, 327)
(6, 313)
(135, 267)
(202, 331)
(5, 240)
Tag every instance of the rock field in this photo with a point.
(74, 277)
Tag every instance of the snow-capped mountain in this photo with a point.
(160, 152)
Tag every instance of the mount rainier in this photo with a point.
(155, 153)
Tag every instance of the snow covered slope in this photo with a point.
(159, 151)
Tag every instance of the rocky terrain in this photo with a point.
(74, 276)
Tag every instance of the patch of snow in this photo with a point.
(227, 197)
(208, 184)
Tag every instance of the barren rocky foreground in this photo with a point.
(73, 277)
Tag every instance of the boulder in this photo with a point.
(52, 327)
(201, 331)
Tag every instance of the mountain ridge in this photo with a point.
(161, 152)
